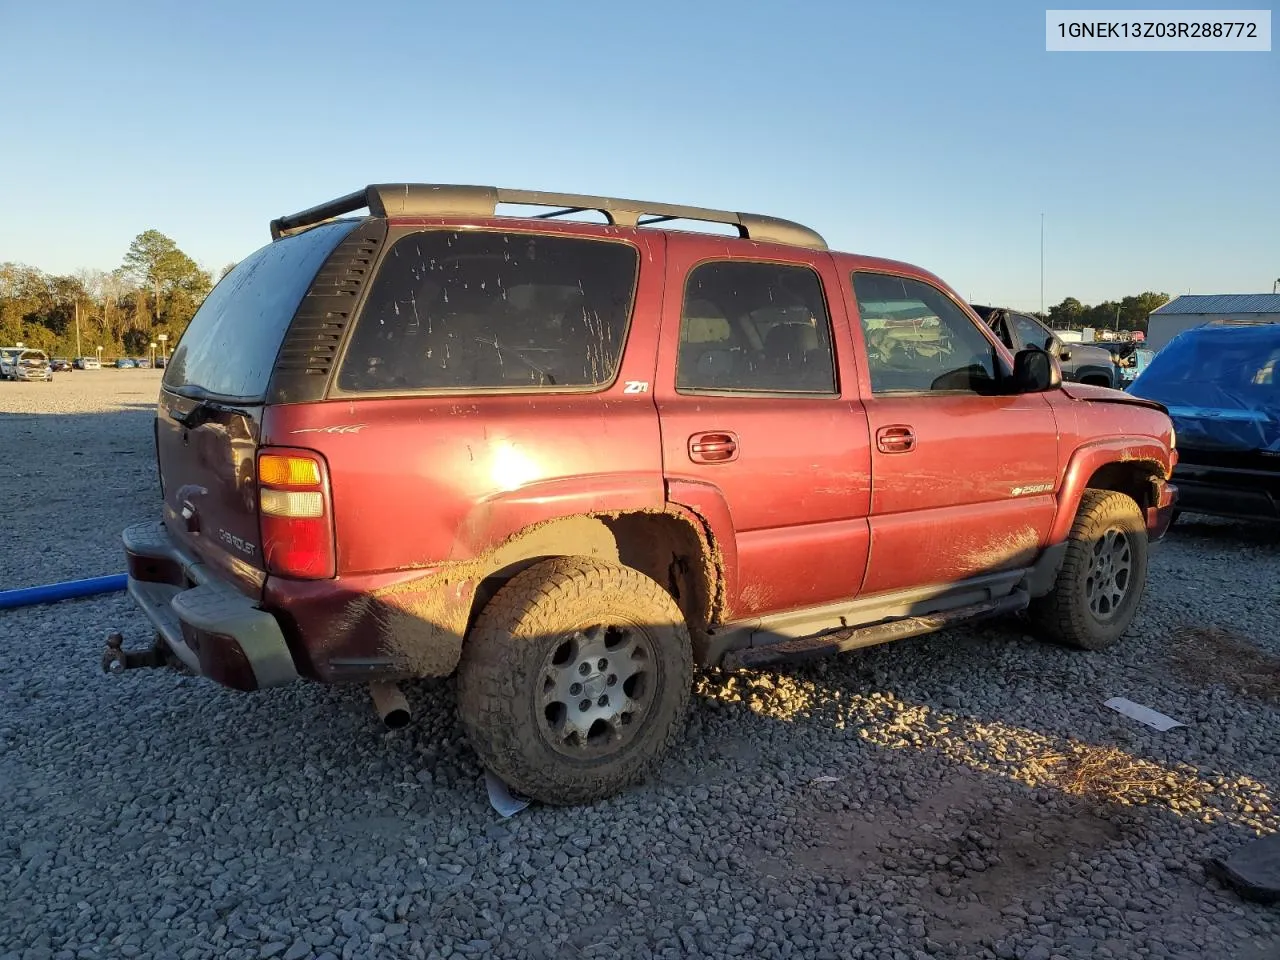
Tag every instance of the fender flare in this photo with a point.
(1089, 459)
(710, 509)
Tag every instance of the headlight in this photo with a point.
(1173, 438)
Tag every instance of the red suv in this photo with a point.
(572, 460)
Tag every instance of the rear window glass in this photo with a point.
(466, 310)
(230, 346)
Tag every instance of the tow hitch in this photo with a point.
(116, 659)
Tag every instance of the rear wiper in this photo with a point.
(203, 411)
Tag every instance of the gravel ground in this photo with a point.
(980, 801)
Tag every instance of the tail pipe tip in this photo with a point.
(389, 701)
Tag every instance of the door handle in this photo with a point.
(717, 447)
(897, 438)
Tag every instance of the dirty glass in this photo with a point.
(756, 328)
(481, 310)
(918, 340)
(1030, 333)
(230, 347)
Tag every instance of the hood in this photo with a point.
(1220, 386)
(1091, 353)
(1085, 391)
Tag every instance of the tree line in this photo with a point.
(156, 290)
(1129, 313)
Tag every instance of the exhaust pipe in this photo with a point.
(390, 703)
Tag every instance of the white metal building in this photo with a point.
(1197, 310)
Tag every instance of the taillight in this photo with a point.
(295, 514)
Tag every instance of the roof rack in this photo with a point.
(448, 200)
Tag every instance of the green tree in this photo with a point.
(1066, 314)
(173, 281)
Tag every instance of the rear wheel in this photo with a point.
(575, 679)
(1102, 577)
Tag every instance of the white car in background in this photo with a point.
(8, 359)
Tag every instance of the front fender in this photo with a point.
(1089, 459)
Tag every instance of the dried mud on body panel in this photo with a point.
(421, 623)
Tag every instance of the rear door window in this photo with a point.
(483, 310)
(230, 347)
(754, 328)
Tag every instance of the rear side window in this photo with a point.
(230, 347)
(754, 328)
(477, 310)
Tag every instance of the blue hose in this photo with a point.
(53, 592)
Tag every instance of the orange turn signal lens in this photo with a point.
(276, 471)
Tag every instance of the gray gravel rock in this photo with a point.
(152, 815)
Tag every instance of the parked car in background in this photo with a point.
(126, 363)
(1131, 356)
(61, 365)
(1221, 386)
(32, 365)
(86, 363)
(143, 363)
(790, 452)
(7, 357)
(1081, 362)
(160, 361)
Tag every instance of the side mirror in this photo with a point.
(1056, 348)
(1035, 371)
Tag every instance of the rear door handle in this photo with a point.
(898, 438)
(718, 447)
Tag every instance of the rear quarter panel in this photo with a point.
(431, 478)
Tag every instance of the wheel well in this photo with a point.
(666, 547)
(1132, 478)
(671, 550)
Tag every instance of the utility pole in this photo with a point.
(1042, 264)
(76, 301)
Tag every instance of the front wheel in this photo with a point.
(575, 679)
(1102, 577)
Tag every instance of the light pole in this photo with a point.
(163, 337)
(99, 357)
(153, 353)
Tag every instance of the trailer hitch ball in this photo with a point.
(113, 657)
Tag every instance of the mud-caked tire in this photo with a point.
(1102, 578)
(575, 679)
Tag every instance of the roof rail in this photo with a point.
(447, 200)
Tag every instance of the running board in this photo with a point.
(840, 641)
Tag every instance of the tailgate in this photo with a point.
(206, 452)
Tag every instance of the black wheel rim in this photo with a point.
(1110, 576)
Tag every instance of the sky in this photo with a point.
(937, 133)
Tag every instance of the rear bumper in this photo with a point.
(384, 626)
(211, 627)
